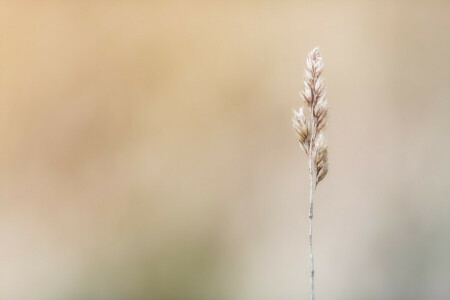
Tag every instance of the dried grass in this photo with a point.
(310, 133)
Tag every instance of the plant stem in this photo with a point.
(311, 208)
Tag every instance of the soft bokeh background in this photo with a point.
(146, 150)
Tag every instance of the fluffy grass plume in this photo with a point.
(310, 134)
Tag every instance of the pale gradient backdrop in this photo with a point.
(147, 152)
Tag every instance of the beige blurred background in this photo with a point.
(146, 150)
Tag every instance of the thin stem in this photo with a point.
(311, 208)
(312, 181)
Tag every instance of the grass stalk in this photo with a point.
(310, 134)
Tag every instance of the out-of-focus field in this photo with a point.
(146, 150)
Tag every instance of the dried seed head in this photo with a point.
(309, 132)
(302, 128)
(321, 113)
(307, 95)
(314, 86)
(320, 157)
